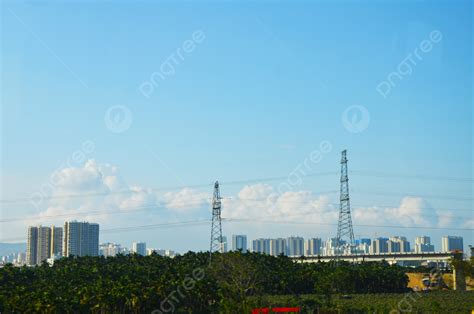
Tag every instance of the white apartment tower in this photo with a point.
(139, 248)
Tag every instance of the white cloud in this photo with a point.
(469, 224)
(260, 201)
(186, 199)
(102, 193)
(445, 219)
(412, 211)
(86, 179)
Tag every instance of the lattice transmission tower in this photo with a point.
(216, 227)
(345, 231)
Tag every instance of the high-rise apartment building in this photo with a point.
(43, 248)
(313, 246)
(139, 248)
(239, 242)
(31, 250)
(80, 239)
(362, 248)
(277, 246)
(365, 241)
(43, 243)
(451, 243)
(261, 246)
(295, 246)
(379, 245)
(393, 246)
(398, 245)
(56, 241)
(423, 244)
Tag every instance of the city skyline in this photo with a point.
(138, 140)
(290, 245)
(279, 222)
(237, 156)
(82, 239)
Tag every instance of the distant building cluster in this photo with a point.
(162, 252)
(287, 246)
(82, 239)
(112, 249)
(49, 243)
(298, 246)
(17, 259)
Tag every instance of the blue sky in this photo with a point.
(268, 83)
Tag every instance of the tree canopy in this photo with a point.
(185, 283)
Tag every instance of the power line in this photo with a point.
(280, 178)
(199, 201)
(86, 195)
(138, 228)
(161, 189)
(236, 182)
(312, 212)
(126, 210)
(417, 176)
(237, 220)
(196, 201)
(334, 224)
(356, 205)
(449, 197)
(157, 226)
(88, 213)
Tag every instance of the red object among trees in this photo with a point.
(266, 310)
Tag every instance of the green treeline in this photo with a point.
(232, 282)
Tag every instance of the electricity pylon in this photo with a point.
(216, 227)
(344, 226)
